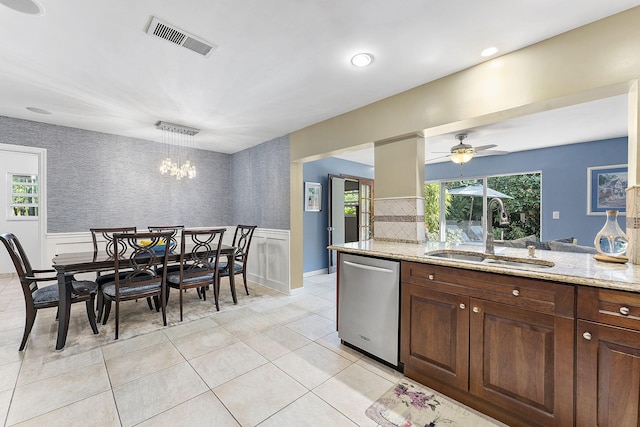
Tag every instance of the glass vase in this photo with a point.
(611, 240)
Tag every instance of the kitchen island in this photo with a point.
(552, 343)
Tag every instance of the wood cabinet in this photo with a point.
(501, 344)
(608, 358)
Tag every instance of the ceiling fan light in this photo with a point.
(461, 157)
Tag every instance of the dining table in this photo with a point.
(71, 263)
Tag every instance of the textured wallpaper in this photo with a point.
(102, 180)
(261, 177)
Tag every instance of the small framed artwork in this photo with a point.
(606, 189)
(312, 196)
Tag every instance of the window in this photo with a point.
(23, 197)
(455, 210)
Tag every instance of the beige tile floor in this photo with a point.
(271, 360)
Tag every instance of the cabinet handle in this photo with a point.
(462, 306)
(515, 292)
(476, 310)
(431, 277)
(586, 336)
(624, 311)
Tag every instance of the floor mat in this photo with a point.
(408, 404)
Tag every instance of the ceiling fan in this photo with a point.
(462, 153)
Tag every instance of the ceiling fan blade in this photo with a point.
(484, 147)
(436, 158)
(491, 153)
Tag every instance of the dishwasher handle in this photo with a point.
(367, 267)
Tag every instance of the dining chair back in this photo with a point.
(136, 273)
(199, 261)
(36, 297)
(172, 228)
(242, 242)
(173, 244)
(106, 242)
(107, 237)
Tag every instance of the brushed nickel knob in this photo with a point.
(462, 306)
(586, 336)
(624, 311)
(476, 310)
(515, 292)
(431, 277)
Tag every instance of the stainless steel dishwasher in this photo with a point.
(368, 305)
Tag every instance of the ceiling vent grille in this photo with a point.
(177, 36)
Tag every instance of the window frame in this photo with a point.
(11, 194)
(485, 181)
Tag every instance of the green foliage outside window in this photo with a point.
(24, 196)
(350, 202)
(523, 208)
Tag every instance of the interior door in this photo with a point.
(335, 227)
(14, 164)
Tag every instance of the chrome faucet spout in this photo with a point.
(504, 220)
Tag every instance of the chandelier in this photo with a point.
(177, 139)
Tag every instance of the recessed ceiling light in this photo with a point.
(489, 51)
(30, 7)
(362, 59)
(39, 110)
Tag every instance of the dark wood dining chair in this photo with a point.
(136, 273)
(173, 244)
(199, 261)
(36, 297)
(241, 241)
(106, 242)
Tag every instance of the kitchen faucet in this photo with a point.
(504, 220)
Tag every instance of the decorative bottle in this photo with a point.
(611, 240)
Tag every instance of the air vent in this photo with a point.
(177, 36)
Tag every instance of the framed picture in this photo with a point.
(606, 189)
(312, 196)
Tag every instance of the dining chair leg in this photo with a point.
(28, 325)
(216, 292)
(107, 310)
(244, 278)
(150, 303)
(100, 305)
(164, 308)
(117, 318)
(92, 314)
(180, 303)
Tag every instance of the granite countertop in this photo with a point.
(573, 268)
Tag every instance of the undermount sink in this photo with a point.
(498, 260)
(458, 255)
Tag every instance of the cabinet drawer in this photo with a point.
(537, 295)
(612, 307)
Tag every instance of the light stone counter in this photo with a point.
(572, 268)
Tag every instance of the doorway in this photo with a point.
(350, 212)
(23, 201)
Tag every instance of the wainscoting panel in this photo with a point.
(269, 259)
(268, 256)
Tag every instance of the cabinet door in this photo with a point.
(522, 361)
(608, 376)
(435, 336)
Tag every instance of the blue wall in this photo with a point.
(315, 255)
(564, 181)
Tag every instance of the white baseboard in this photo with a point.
(316, 272)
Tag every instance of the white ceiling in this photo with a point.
(281, 65)
(590, 121)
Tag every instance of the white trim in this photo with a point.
(42, 176)
(316, 272)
